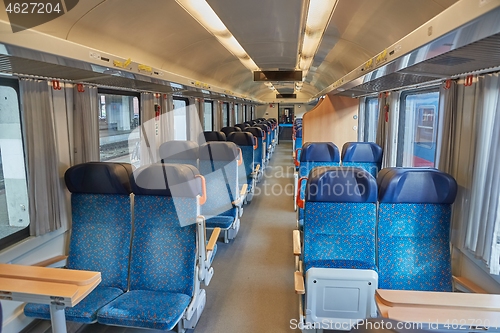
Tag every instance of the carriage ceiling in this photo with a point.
(162, 34)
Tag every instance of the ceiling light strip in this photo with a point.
(201, 11)
(319, 14)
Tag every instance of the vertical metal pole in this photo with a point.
(57, 318)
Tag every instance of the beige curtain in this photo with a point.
(41, 157)
(86, 124)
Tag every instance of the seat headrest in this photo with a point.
(341, 184)
(177, 149)
(417, 185)
(241, 126)
(219, 151)
(368, 152)
(99, 178)
(163, 179)
(228, 130)
(264, 127)
(212, 136)
(319, 152)
(256, 131)
(241, 138)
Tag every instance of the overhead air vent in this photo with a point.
(286, 95)
(276, 76)
(450, 61)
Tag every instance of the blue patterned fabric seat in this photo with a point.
(179, 152)
(339, 254)
(219, 166)
(246, 142)
(164, 249)
(260, 152)
(314, 154)
(413, 229)
(267, 131)
(364, 155)
(100, 236)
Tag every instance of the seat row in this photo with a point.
(366, 155)
(360, 234)
(150, 247)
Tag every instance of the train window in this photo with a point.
(225, 114)
(236, 115)
(118, 117)
(14, 212)
(208, 116)
(418, 128)
(371, 119)
(180, 118)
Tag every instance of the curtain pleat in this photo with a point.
(482, 235)
(148, 147)
(86, 124)
(447, 120)
(41, 157)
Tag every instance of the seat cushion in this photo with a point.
(223, 220)
(145, 309)
(83, 312)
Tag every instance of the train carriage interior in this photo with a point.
(249, 166)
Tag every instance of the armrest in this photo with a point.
(299, 283)
(244, 190)
(468, 285)
(51, 261)
(297, 248)
(213, 239)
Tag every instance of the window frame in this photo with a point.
(24, 233)
(186, 100)
(211, 102)
(402, 121)
(117, 92)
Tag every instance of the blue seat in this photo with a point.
(267, 132)
(179, 152)
(297, 142)
(168, 239)
(339, 253)
(100, 235)
(247, 173)
(413, 229)
(314, 154)
(211, 136)
(260, 152)
(219, 165)
(365, 155)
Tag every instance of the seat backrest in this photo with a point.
(229, 129)
(260, 152)
(219, 166)
(163, 254)
(413, 229)
(340, 218)
(212, 136)
(246, 142)
(101, 220)
(365, 155)
(179, 152)
(267, 130)
(316, 154)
